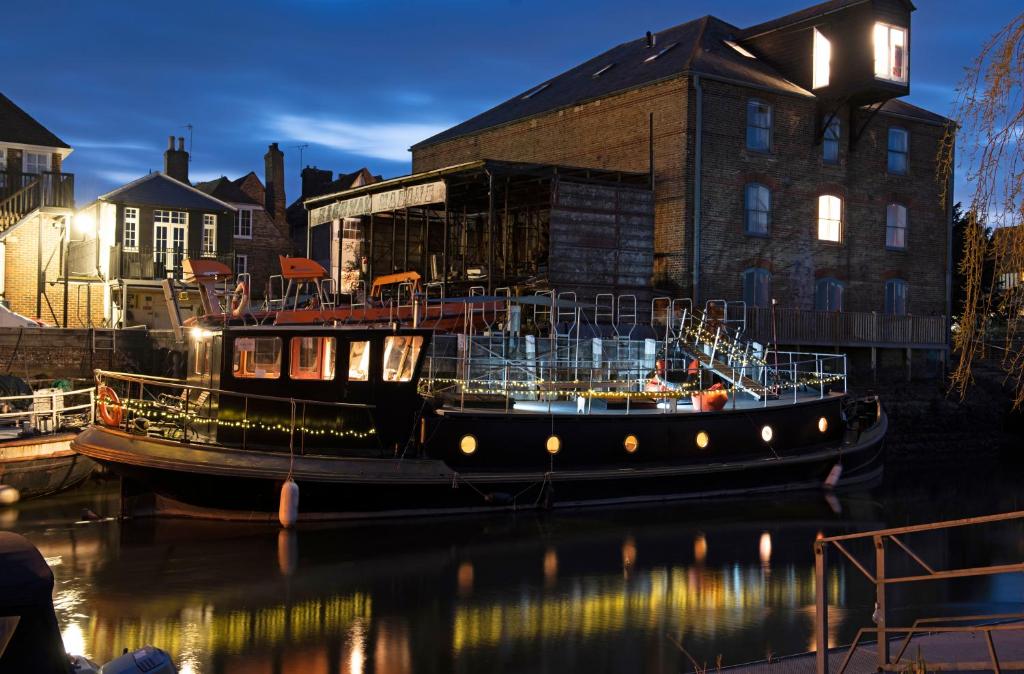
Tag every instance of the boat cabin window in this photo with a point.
(400, 355)
(202, 356)
(359, 361)
(312, 358)
(257, 358)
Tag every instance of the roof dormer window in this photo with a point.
(536, 90)
(822, 60)
(890, 53)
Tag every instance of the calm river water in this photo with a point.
(586, 591)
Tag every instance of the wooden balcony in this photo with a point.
(847, 329)
(24, 193)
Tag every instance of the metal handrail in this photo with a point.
(880, 580)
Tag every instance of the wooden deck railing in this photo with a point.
(23, 193)
(846, 328)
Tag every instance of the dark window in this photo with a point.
(757, 206)
(759, 125)
(757, 287)
(829, 294)
(830, 142)
(896, 226)
(898, 140)
(896, 297)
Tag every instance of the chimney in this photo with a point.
(176, 161)
(315, 181)
(274, 201)
(651, 39)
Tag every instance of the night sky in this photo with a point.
(359, 82)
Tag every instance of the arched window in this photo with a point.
(830, 141)
(898, 150)
(757, 287)
(829, 294)
(759, 125)
(896, 226)
(896, 297)
(757, 208)
(830, 218)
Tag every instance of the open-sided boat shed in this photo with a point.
(496, 224)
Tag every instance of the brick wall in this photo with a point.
(269, 239)
(50, 352)
(612, 133)
(22, 252)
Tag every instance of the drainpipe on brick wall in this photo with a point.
(696, 192)
(949, 256)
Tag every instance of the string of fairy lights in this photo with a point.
(157, 412)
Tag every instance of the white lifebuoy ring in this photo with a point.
(240, 299)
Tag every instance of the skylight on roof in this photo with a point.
(662, 52)
(603, 70)
(739, 49)
(533, 92)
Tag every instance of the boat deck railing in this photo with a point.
(894, 540)
(177, 410)
(48, 410)
(552, 369)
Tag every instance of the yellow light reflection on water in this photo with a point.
(764, 548)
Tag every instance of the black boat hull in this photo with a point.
(161, 476)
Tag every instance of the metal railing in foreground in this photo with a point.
(48, 410)
(549, 370)
(176, 410)
(881, 580)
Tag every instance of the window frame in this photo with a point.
(209, 244)
(827, 139)
(238, 364)
(889, 227)
(751, 103)
(891, 298)
(890, 152)
(408, 359)
(889, 52)
(821, 68)
(827, 283)
(748, 211)
(762, 278)
(840, 221)
(46, 164)
(324, 368)
(130, 223)
(365, 358)
(239, 233)
(244, 259)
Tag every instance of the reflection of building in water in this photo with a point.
(663, 598)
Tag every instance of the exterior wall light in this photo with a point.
(703, 439)
(631, 443)
(467, 444)
(767, 433)
(553, 445)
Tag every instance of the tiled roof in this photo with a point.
(900, 108)
(696, 47)
(17, 126)
(158, 189)
(226, 190)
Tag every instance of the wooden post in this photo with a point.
(369, 254)
(490, 233)
(820, 609)
(883, 639)
(910, 358)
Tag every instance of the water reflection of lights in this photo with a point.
(628, 554)
(674, 598)
(550, 566)
(357, 647)
(465, 578)
(765, 548)
(74, 639)
(700, 548)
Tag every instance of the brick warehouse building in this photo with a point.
(784, 164)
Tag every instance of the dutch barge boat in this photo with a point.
(376, 421)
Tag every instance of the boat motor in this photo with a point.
(148, 660)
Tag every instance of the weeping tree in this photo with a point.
(989, 116)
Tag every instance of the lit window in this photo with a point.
(603, 70)
(209, 234)
(757, 287)
(830, 218)
(830, 141)
(898, 151)
(759, 125)
(35, 162)
(359, 361)
(757, 202)
(241, 264)
(257, 358)
(131, 229)
(822, 60)
(896, 297)
(890, 53)
(739, 48)
(896, 226)
(202, 356)
(828, 294)
(661, 53)
(312, 358)
(400, 356)
(243, 224)
(170, 233)
(533, 92)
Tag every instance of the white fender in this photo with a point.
(833, 476)
(9, 495)
(288, 512)
(287, 551)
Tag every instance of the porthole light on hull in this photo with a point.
(703, 439)
(631, 443)
(553, 445)
(467, 444)
(767, 433)
(823, 424)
